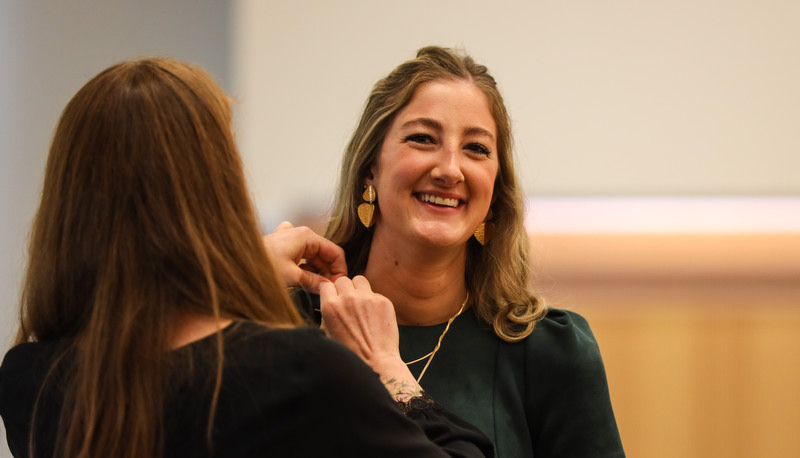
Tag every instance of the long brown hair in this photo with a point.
(144, 216)
(497, 275)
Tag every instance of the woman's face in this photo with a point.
(436, 169)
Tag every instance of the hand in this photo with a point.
(365, 322)
(359, 318)
(304, 258)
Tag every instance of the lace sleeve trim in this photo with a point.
(418, 405)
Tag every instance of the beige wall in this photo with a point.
(612, 97)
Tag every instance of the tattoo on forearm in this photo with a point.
(402, 390)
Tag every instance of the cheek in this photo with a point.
(402, 175)
(391, 184)
(485, 181)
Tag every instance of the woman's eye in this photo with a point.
(424, 139)
(478, 148)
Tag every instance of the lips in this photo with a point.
(437, 200)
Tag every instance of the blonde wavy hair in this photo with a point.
(497, 275)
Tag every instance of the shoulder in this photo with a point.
(19, 355)
(568, 387)
(304, 353)
(563, 342)
(23, 362)
(15, 372)
(564, 327)
(248, 337)
(24, 368)
(296, 382)
(268, 369)
(25, 354)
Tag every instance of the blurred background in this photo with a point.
(657, 142)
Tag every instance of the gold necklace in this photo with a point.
(439, 343)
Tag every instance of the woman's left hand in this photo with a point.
(365, 322)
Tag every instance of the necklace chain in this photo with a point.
(439, 343)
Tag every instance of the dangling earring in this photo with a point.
(366, 211)
(485, 231)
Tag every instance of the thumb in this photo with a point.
(283, 226)
(310, 281)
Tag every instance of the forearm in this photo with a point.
(397, 378)
(402, 390)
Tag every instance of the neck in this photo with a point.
(192, 326)
(426, 286)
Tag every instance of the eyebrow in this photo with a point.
(478, 131)
(427, 122)
(434, 124)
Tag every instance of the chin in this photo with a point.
(442, 238)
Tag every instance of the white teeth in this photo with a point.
(438, 200)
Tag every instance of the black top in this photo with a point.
(545, 396)
(289, 392)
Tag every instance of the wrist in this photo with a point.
(397, 379)
(417, 405)
(402, 390)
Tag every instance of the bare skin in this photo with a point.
(425, 288)
(434, 179)
(364, 321)
(192, 327)
(304, 258)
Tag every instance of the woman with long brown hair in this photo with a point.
(153, 322)
(429, 210)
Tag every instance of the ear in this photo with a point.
(369, 178)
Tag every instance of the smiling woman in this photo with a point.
(434, 142)
(434, 175)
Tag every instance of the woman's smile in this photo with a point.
(438, 200)
(435, 173)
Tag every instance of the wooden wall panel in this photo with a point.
(700, 334)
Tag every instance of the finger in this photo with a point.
(327, 256)
(326, 275)
(361, 282)
(343, 285)
(310, 267)
(283, 226)
(311, 281)
(327, 292)
(333, 277)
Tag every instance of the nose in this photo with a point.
(447, 170)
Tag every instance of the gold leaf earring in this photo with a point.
(366, 211)
(485, 231)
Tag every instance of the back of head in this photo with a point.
(143, 194)
(144, 216)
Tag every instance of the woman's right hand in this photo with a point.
(365, 322)
(304, 258)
